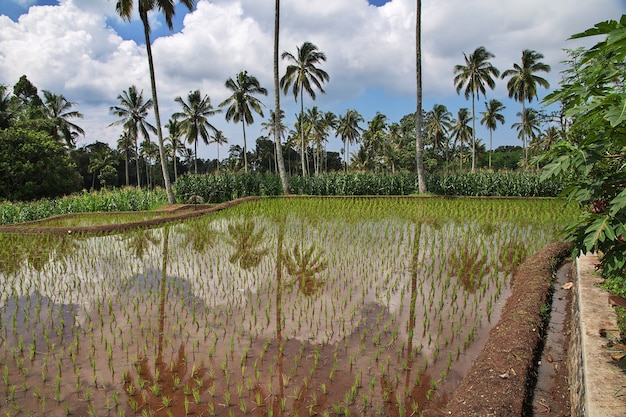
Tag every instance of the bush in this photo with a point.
(125, 199)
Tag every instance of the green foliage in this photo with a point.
(594, 150)
(225, 187)
(125, 199)
(505, 184)
(34, 165)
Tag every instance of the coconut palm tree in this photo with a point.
(374, 137)
(349, 130)
(58, 109)
(462, 131)
(419, 145)
(473, 76)
(175, 129)
(100, 159)
(241, 102)
(313, 118)
(124, 8)
(280, 161)
(194, 119)
(125, 146)
(132, 112)
(302, 75)
(270, 126)
(528, 128)
(491, 117)
(149, 151)
(219, 139)
(329, 123)
(438, 122)
(523, 82)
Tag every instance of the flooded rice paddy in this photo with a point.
(275, 307)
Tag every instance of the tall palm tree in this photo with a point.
(391, 145)
(270, 126)
(374, 137)
(473, 76)
(349, 130)
(315, 125)
(491, 116)
(194, 119)
(150, 152)
(280, 161)
(419, 145)
(175, 129)
(523, 82)
(219, 139)
(462, 131)
(302, 75)
(98, 160)
(125, 145)
(329, 123)
(124, 8)
(58, 109)
(242, 102)
(528, 128)
(132, 112)
(438, 122)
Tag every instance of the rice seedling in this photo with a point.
(307, 300)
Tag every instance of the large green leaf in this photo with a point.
(618, 203)
(616, 114)
(596, 233)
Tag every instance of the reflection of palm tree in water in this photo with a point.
(37, 250)
(170, 390)
(198, 238)
(246, 243)
(303, 265)
(279, 311)
(139, 241)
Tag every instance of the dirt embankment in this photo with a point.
(500, 380)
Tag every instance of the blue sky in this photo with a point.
(81, 49)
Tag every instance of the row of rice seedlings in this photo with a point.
(176, 316)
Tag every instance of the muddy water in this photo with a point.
(551, 395)
(254, 316)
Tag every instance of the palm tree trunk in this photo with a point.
(126, 167)
(302, 156)
(166, 175)
(419, 146)
(524, 137)
(137, 163)
(245, 148)
(473, 136)
(280, 162)
(175, 169)
(490, 146)
(195, 156)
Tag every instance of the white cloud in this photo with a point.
(70, 48)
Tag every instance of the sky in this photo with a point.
(84, 51)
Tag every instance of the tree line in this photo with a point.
(384, 146)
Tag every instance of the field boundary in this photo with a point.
(184, 212)
(497, 384)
